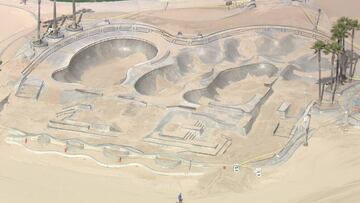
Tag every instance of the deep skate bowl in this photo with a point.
(305, 64)
(106, 63)
(196, 61)
(226, 77)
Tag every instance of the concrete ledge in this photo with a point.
(283, 109)
(167, 162)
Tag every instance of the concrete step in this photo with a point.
(224, 147)
(30, 88)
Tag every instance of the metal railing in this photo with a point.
(179, 40)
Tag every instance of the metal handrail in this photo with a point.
(179, 40)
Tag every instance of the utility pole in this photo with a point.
(74, 27)
(39, 42)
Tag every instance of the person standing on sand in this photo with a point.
(180, 198)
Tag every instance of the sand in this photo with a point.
(27, 21)
(241, 92)
(18, 25)
(326, 171)
(112, 72)
(335, 9)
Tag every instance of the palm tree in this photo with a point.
(318, 48)
(353, 25)
(344, 25)
(336, 50)
(333, 48)
(339, 33)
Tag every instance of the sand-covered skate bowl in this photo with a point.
(304, 66)
(270, 45)
(106, 63)
(171, 79)
(244, 81)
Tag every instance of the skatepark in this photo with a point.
(124, 93)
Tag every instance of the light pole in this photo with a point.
(39, 42)
(74, 27)
(318, 20)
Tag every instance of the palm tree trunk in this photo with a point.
(333, 95)
(332, 70)
(319, 63)
(352, 52)
(55, 28)
(341, 74)
(74, 13)
(354, 69)
(39, 22)
(336, 78)
(322, 91)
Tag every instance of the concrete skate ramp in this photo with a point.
(305, 64)
(209, 54)
(231, 51)
(289, 73)
(229, 76)
(268, 45)
(309, 63)
(106, 61)
(169, 79)
(154, 82)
